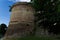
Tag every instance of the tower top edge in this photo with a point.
(22, 3)
(19, 3)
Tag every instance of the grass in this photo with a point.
(34, 38)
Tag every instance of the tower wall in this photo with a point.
(21, 20)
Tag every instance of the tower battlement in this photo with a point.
(20, 3)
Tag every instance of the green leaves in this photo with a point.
(49, 7)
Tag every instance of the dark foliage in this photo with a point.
(3, 29)
(49, 10)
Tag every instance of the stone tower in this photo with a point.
(21, 20)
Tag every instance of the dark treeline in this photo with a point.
(48, 14)
(3, 28)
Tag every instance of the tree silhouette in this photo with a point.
(47, 14)
(3, 28)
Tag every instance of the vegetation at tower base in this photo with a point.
(3, 29)
(48, 14)
(34, 38)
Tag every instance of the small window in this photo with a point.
(27, 9)
(27, 24)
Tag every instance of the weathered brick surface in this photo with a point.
(21, 20)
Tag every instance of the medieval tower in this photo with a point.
(21, 20)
